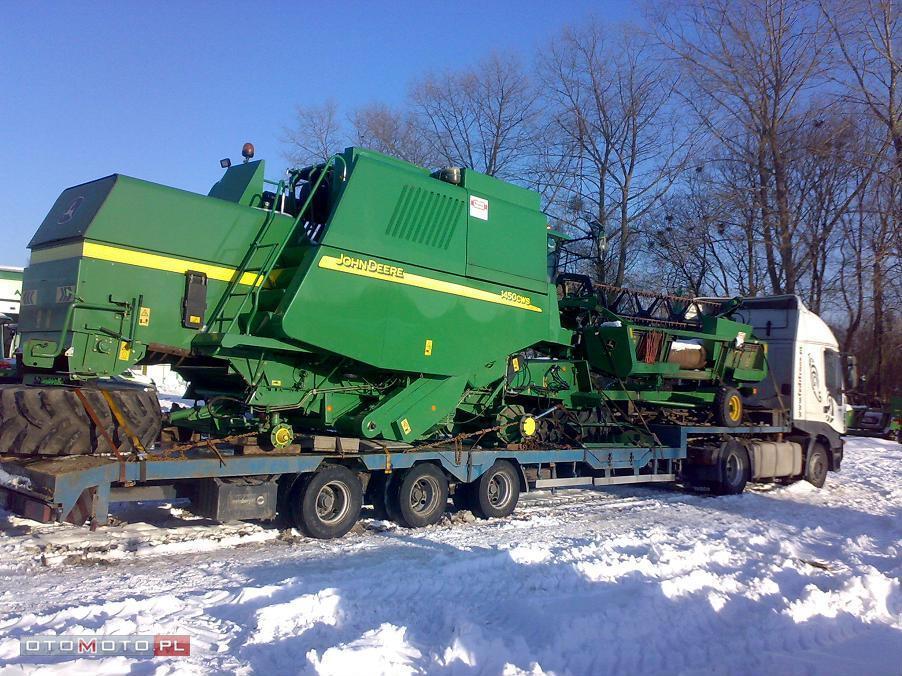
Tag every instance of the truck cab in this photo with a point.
(806, 369)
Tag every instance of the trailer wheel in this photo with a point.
(728, 407)
(816, 466)
(734, 469)
(422, 496)
(375, 495)
(328, 503)
(496, 492)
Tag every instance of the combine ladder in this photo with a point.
(239, 293)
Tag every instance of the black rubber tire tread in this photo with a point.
(481, 504)
(141, 409)
(409, 517)
(392, 488)
(722, 407)
(375, 495)
(303, 508)
(52, 421)
(816, 465)
(736, 485)
(284, 499)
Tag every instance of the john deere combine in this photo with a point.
(362, 297)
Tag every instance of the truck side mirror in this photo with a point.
(851, 371)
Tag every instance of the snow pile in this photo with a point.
(631, 580)
(14, 480)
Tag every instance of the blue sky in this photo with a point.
(163, 90)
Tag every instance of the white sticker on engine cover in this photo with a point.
(479, 208)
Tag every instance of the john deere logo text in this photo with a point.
(370, 266)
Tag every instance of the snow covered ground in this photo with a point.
(780, 580)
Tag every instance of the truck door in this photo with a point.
(819, 380)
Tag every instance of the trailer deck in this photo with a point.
(80, 488)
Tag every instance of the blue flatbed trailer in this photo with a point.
(80, 488)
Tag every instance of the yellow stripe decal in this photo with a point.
(398, 275)
(141, 259)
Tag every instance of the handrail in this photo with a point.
(275, 253)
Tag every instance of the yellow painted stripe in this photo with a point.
(410, 279)
(141, 259)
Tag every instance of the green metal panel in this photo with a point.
(382, 321)
(242, 184)
(396, 210)
(125, 246)
(507, 234)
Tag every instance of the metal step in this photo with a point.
(603, 481)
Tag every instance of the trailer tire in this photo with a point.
(816, 465)
(728, 407)
(496, 492)
(422, 495)
(376, 495)
(734, 469)
(327, 502)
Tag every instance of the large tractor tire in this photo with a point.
(52, 421)
(141, 409)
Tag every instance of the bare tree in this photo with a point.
(618, 145)
(480, 117)
(393, 132)
(317, 134)
(868, 35)
(748, 66)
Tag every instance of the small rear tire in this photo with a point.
(422, 496)
(816, 466)
(327, 503)
(496, 492)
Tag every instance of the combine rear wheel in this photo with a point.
(52, 421)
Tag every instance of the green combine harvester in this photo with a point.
(364, 298)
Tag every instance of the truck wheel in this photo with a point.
(734, 469)
(375, 495)
(816, 466)
(496, 492)
(728, 407)
(422, 496)
(327, 504)
(284, 498)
